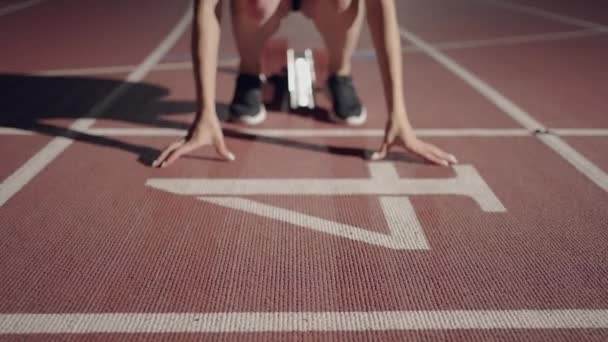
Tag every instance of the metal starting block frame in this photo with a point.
(301, 79)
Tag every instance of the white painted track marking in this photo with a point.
(500, 101)
(580, 132)
(548, 15)
(332, 132)
(117, 69)
(510, 40)
(303, 321)
(345, 132)
(243, 322)
(576, 159)
(18, 6)
(30, 169)
(321, 132)
(233, 62)
(14, 131)
(594, 173)
(138, 132)
(467, 182)
(47, 154)
(405, 230)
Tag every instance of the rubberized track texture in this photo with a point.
(302, 237)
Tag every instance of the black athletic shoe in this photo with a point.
(247, 106)
(347, 107)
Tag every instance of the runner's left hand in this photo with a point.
(399, 132)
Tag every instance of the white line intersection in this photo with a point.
(405, 230)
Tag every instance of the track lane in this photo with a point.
(69, 34)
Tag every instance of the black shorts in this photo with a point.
(296, 5)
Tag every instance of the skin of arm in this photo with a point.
(206, 128)
(384, 28)
(205, 47)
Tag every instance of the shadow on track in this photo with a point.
(34, 103)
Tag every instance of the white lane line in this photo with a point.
(32, 167)
(12, 8)
(510, 40)
(548, 15)
(137, 132)
(585, 166)
(242, 322)
(405, 230)
(507, 106)
(47, 154)
(321, 132)
(580, 132)
(473, 132)
(164, 47)
(87, 71)
(14, 131)
(345, 132)
(576, 159)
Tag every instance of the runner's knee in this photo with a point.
(316, 8)
(259, 10)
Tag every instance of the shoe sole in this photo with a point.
(253, 120)
(351, 120)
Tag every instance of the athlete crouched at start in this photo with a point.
(339, 23)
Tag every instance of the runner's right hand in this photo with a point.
(207, 132)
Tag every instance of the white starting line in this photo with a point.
(324, 132)
(252, 322)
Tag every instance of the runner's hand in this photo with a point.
(209, 132)
(400, 133)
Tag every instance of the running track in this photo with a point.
(302, 238)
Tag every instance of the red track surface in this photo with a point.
(96, 245)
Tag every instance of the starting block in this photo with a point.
(301, 79)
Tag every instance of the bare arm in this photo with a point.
(383, 25)
(206, 128)
(384, 28)
(205, 45)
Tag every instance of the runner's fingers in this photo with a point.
(223, 151)
(180, 151)
(166, 151)
(432, 157)
(425, 151)
(442, 154)
(381, 153)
